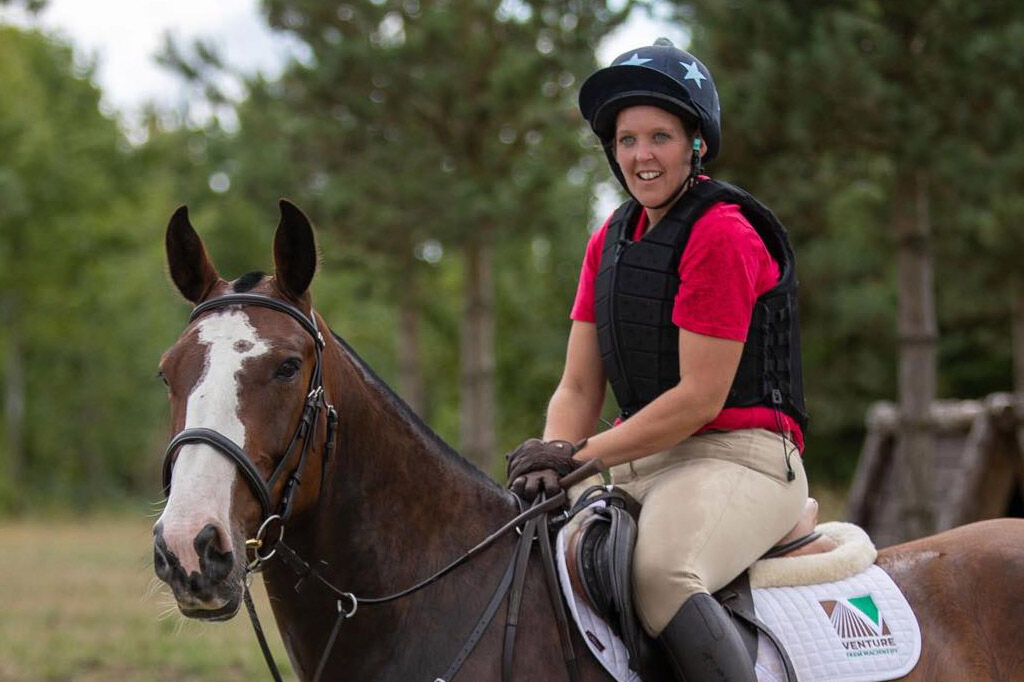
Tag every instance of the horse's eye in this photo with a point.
(163, 377)
(288, 370)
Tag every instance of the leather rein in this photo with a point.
(533, 524)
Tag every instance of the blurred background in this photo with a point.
(436, 146)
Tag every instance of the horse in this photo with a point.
(373, 501)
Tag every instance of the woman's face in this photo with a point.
(653, 151)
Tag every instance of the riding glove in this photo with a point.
(537, 466)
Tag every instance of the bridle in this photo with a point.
(531, 524)
(304, 432)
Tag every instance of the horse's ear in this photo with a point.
(294, 251)
(191, 268)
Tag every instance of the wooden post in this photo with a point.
(1018, 336)
(1018, 357)
(918, 335)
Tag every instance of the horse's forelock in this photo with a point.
(248, 281)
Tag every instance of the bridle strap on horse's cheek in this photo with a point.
(307, 428)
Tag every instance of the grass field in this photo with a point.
(78, 601)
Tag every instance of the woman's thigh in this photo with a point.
(707, 518)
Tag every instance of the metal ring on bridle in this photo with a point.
(355, 605)
(256, 542)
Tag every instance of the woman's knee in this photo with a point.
(659, 594)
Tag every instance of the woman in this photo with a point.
(686, 305)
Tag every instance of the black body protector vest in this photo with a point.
(636, 288)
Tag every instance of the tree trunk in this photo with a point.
(410, 366)
(13, 392)
(476, 399)
(918, 335)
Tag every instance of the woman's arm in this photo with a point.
(707, 367)
(575, 406)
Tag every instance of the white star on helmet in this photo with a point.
(693, 73)
(635, 60)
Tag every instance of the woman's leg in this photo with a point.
(712, 506)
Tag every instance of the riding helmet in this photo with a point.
(661, 75)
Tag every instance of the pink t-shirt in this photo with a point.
(724, 268)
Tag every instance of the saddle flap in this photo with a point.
(599, 562)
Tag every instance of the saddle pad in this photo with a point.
(802, 618)
(860, 629)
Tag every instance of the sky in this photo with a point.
(124, 35)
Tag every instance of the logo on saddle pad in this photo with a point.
(861, 628)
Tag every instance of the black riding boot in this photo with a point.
(703, 645)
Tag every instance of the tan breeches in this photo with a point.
(712, 505)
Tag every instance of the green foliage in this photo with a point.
(414, 130)
(826, 112)
(82, 292)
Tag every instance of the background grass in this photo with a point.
(78, 601)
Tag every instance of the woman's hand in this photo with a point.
(537, 465)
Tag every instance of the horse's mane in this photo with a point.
(410, 416)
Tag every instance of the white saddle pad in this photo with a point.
(860, 629)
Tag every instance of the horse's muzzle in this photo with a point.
(212, 593)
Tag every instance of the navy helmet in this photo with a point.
(661, 75)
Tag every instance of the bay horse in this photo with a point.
(381, 502)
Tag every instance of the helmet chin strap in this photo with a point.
(696, 168)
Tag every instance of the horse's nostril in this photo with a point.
(161, 565)
(215, 564)
(159, 562)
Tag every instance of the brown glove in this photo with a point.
(537, 465)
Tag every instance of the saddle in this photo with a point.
(599, 562)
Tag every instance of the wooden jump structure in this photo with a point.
(976, 468)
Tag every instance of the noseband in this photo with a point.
(304, 430)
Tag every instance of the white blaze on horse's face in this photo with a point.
(203, 479)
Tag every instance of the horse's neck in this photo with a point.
(396, 505)
(393, 473)
(398, 491)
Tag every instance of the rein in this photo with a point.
(534, 521)
(537, 527)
